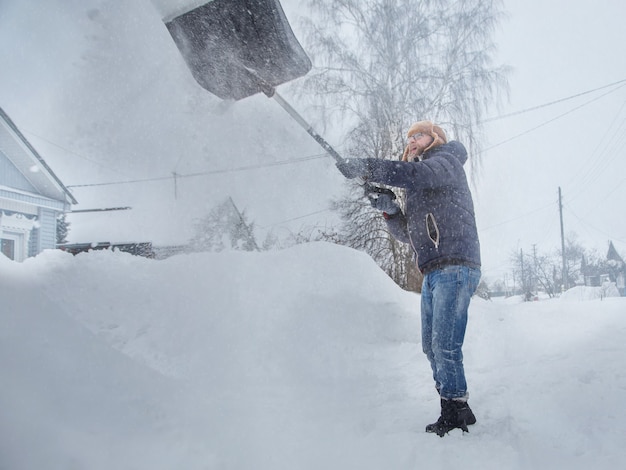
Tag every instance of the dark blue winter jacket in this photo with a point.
(438, 220)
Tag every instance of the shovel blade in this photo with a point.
(236, 48)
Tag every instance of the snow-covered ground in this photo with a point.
(307, 358)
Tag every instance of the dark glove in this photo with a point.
(353, 168)
(384, 201)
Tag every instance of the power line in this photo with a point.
(297, 218)
(587, 224)
(145, 180)
(552, 120)
(596, 163)
(206, 173)
(545, 105)
(602, 163)
(526, 214)
(175, 175)
(90, 160)
(523, 111)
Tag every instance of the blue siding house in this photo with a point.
(31, 196)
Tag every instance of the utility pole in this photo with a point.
(564, 271)
(535, 276)
(175, 175)
(524, 286)
(506, 285)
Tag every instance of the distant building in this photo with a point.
(593, 275)
(31, 196)
(617, 269)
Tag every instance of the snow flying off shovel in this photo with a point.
(237, 48)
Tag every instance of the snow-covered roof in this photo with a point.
(28, 161)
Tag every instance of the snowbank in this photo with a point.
(608, 289)
(305, 358)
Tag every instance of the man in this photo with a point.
(439, 224)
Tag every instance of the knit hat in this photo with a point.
(428, 128)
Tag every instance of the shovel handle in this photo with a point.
(318, 138)
(300, 120)
(271, 92)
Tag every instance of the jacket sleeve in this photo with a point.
(397, 227)
(442, 169)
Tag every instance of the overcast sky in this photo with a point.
(104, 96)
(557, 49)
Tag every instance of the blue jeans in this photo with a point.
(446, 295)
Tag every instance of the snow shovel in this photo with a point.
(237, 48)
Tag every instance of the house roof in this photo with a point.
(613, 254)
(25, 158)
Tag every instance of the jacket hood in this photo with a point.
(454, 147)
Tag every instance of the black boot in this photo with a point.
(454, 414)
(464, 412)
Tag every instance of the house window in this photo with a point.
(15, 234)
(14, 245)
(8, 248)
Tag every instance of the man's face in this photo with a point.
(417, 143)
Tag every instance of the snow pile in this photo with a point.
(608, 289)
(305, 358)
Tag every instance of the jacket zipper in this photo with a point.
(432, 229)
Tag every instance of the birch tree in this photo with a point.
(379, 66)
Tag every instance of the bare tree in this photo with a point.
(384, 64)
(536, 271)
(523, 272)
(545, 273)
(224, 228)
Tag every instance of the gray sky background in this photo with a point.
(104, 96)
(557, 49)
